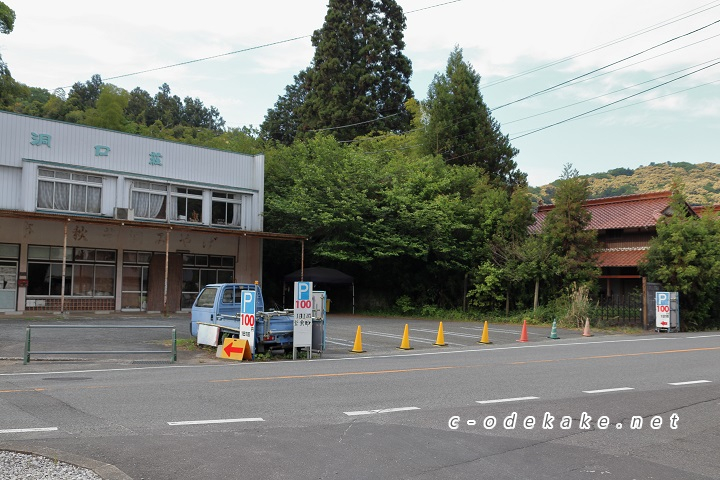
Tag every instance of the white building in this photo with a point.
(134, 223)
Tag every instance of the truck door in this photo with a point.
(203, 309)
(229, 302)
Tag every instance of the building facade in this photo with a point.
(98, 220)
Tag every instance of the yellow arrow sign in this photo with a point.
(236, 349)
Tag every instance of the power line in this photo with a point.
(612, 103)
(235, 52)
(554, 87)
(643, 31)
(609, 93)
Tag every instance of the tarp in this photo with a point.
(320, 275)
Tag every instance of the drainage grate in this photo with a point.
(151, 362)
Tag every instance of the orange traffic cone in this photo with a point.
(485, 337)
(357, 348)
(523, 334)
(440, 342)
(586, 332)
(405, 344)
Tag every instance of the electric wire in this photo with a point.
(235, 52)
(554, 87)
(611, 103)
(638, 33)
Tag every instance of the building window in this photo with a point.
(88, 272)
(201, 270)
(69, 192)
(187, 204)
(149, 200)
(226, 209)
(135, 280)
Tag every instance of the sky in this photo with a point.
(570, 82)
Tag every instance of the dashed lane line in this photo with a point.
(691, 382)
(210, 422)
(381, 410)
(607, 390)
(29, 430)
(505, 400)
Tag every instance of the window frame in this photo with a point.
(69, 200)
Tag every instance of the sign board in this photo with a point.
(662, 309)
(208, 334)
(247, 318)
(302, 325)
(235, 349)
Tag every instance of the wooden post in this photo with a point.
(64, 265)
(167, 267)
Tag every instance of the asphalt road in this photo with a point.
(544, 409)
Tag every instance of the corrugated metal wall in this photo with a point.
(27, 142)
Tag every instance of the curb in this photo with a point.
(104, 470)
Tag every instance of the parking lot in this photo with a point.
(379, 336)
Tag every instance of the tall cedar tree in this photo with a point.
(282, 122)
(8, 86)
(574, 248)
(460, 128)
(359, 75)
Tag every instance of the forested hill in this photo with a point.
(701, 182)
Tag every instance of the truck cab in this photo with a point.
(221, 299)
(220, 305)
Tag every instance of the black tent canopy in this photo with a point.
(323, 275)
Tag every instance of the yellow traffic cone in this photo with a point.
(405, 344)
(440, 342)
(485, 337)
(357, 348)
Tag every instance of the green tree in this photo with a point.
(574, 247)
(169, 107)
(402, 225)
(515, 259)
(685, 257)
(359, 78)
(83, 97)
(282, 122)
(7, 18)
(460, 128)
(8, 86)
(110, 109)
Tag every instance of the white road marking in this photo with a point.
(399, 337)
(445, 332)
(207, 422)
(690, 382)
(499, 330)
(29, 430)
(605, 390)
(504, 400)
(382, 410)
(484, 350)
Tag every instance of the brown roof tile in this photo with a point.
(627, 211)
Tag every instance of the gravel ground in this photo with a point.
(17, 466)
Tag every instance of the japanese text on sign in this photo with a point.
(247, 318)
(302, 325)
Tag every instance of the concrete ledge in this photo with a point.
(105, 470)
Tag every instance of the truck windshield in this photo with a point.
(206, 298)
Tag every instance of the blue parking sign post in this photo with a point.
(302, 324)
(247, 318)
(667, 311)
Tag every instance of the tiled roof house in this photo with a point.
(625, 225)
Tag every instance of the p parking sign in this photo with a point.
(667, 310)
(247, 318)
(302, 325)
